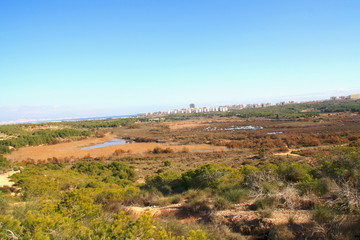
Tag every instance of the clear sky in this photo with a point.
(71, 58)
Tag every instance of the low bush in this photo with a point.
(166, 182)
(4, 164)
(209, 175)
(265, 203)
(221, 203)
(4, 149)
(295, 172)
(200, 205)
(236, 195)
(322, 214)
(158, 150)
(316, 186)
(281, 233)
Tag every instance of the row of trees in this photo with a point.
(42, 137)
(102, 123)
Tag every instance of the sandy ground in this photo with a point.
(196, 123)
(186, 124)
(4, 178)
(278, 216)
(73, 149)
(288, 153)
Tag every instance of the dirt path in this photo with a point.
(4, 178)
(288, 153)
(154, 211)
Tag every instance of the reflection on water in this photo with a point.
(274, 132)
(105, 144)
(232, 128)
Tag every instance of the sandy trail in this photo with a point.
(4, 178)
(278, 216)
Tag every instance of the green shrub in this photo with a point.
(316, 186)
(54, 166)
(77, 205)
(265, 203)
(108, 172)
(322, 214)
(122, 171)
(343, 164)
(9, 223)
(166, 182)
(209, 175)
(221, 203)
(236, 195)
(90, 168)
(4, 164)
(4, 203)
(4, 149)
(295, 172)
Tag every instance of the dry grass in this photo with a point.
(73, 149)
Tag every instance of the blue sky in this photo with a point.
(74, 58)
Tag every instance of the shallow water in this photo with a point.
(108, 143)
(232, 128)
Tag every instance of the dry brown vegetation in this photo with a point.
(273, 190)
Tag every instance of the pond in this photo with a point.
(232, 128)
(108, 143)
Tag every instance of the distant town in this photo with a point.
(193, 109)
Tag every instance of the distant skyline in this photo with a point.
(100, 58)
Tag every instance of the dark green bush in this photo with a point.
(4, 164)
(4, 203)
(108, 172)
(4, 149)
(343, 164)
(295, 172)
(122, 171)
(209, 175)
(166, 182)
(167, 163)
(316, 186)
(90, 168)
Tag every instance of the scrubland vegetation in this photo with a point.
(295, 178)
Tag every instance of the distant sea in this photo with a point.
(65, 119)
(83, 119)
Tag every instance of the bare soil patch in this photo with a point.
(4, 178)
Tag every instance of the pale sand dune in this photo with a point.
(4, 178)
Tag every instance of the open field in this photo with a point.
(73, 149)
